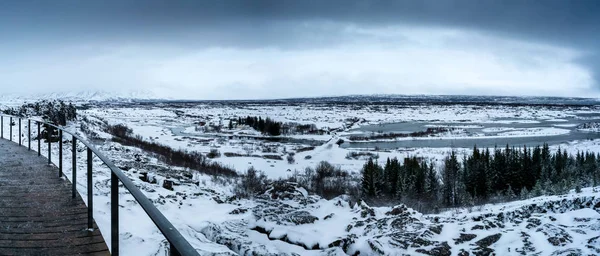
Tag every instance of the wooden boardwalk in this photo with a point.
(37, 214)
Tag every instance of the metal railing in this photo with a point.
(178, 244)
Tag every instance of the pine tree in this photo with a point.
(370, 179)
(527, 171)
(432, 185)
(388, 187)
(536, 163)
(499, 167)
(537, 189)
(420, 177)
(450, 176)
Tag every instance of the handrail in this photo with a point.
(178, 244)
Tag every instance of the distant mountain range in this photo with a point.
(87, 96)
(145, 96)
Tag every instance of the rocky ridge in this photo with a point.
(288, 214)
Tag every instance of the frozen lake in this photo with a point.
(488, 134)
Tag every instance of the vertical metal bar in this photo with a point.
(48, 136)
(39, 140)
(173, 251)
(60, 153)
(20, 143)
(10, 125)
(90, 196)
(114, 214)
(29, 134)
(74, 170)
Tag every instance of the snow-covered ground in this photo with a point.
(204, 210)
(178, 127)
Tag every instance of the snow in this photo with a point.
(535, 132)
(193, 208)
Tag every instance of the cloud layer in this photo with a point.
(278, 49)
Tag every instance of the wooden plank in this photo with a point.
(37, 214)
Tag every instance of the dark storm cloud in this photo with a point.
(274, 22)
(62, 29)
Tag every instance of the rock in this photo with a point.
(483, 251)
(218, 200)
(533, 222)
(397, 210)
(301, 217)
(582, 219)
(556, 236)
(464, 238)
(366, 210)
(595, 226)
(143, 176)
(489, 224)
(376, 246)
(462, 252)
(500, 216)
(489, 240)
(442, 249)
(478, 227)
(558, 241)
(568, 252)
(168, 184)
(329, 216)
(332, 252)
(421, 242)
(402, 222)
(436, 229)
(229, 235)
(238, 211)
(285, 190)
(594, 244)
(528, 247)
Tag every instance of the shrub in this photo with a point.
(358, 155)
(304, 149)
(290, 159)
(251, 184)
(56, 112)
(193, 160)
(214, 153)
(119, 130)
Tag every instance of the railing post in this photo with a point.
(74, 170)
(89, 190)
(114, 214)
(20, 143)
(60, 153)
(39, 140)
(29, 134)
(10, 125)
(48, 136)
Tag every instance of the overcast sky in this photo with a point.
(279, 49)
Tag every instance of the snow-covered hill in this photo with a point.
(286, 221)
(85, 96)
